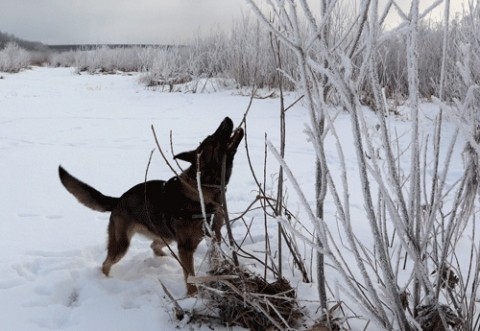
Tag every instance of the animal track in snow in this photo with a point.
(27, 215)
(35, 215)
(54, 217)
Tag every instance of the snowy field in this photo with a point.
(98, 128)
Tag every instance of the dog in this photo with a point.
(171, 210)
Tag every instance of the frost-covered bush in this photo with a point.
(39, 57)
(13, 58)
(167, 66)
(105, 59)
(464, 55)
(392, 67)
(62, 59)
(202, 58)
(251, 57)
(246, 55)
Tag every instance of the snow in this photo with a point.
(98, 128)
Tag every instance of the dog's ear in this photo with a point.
(187, 156)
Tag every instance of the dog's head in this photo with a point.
(208, 157)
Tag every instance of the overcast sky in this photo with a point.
(124, 21)
(113, 21)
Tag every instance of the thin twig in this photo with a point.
(161, 151)
(179, 312)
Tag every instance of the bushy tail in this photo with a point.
(86, 194)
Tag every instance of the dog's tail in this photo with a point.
(86, 194)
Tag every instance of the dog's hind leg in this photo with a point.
(119, 235)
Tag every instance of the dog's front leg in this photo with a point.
(185, 251)
(189, 233)
(218, 221)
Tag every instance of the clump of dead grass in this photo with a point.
(430, 319)
(245, 299)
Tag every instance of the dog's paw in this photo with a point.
(157, 249)
(191, 290)
(106, 269)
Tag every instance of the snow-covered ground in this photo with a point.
(98, 128)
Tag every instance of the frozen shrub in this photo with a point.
(392, 67)
(62, 59)
(168, 66)
(246, 55)
(13, 58)
(105, 59)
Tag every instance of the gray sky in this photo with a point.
(114, 21)
(125, 21)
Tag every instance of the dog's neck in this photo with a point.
(210, 192)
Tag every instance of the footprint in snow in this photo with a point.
(33, 215)
(27, 215)
(54, 217)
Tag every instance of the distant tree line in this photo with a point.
(6, 38)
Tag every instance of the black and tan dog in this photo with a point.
(170, 210)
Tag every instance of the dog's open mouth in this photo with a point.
(228, 134)
(235, 140)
